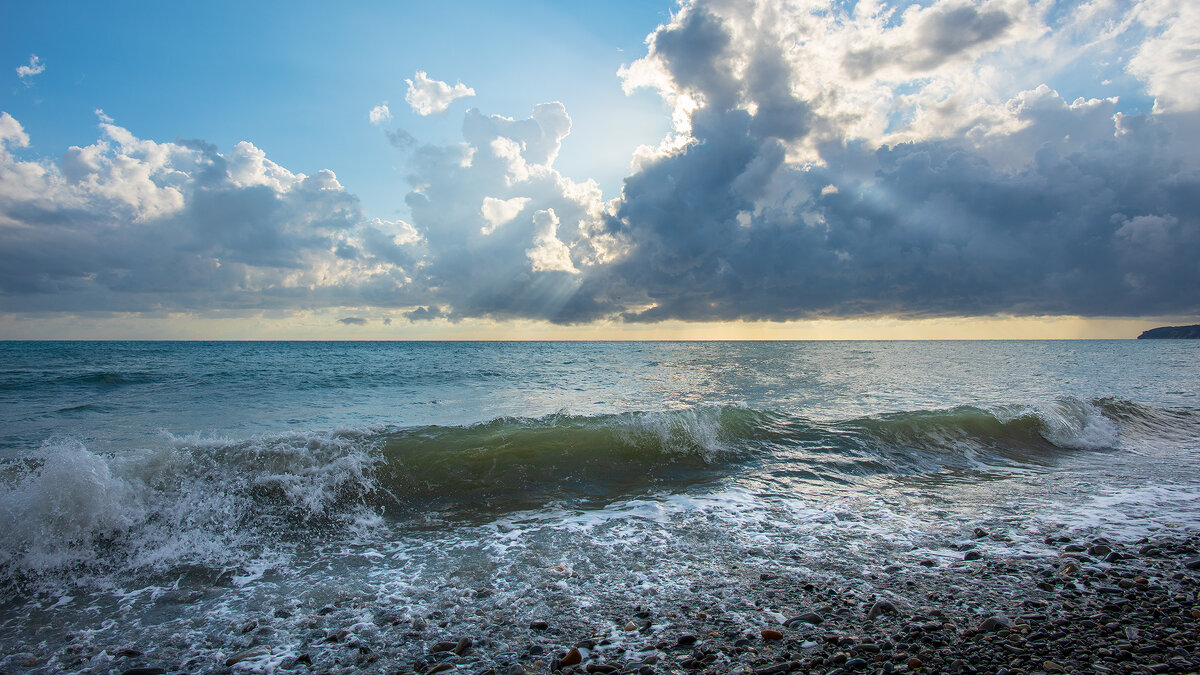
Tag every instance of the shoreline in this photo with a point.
(1093, 606)
(1099, 607)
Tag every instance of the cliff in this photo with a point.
(1172, 333)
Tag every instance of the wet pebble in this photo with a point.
(572, 658)
(808, 617)
(881, 607)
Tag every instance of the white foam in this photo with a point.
(52, 513)
(190, 499)
(1070, 423)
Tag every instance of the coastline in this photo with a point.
(1096, 606)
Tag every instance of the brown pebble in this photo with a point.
(631, 626)
(768, 634)
(572, 658)
(914, 663)
(1052, 667)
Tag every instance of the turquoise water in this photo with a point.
(157, 493)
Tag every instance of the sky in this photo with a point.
(765, 169)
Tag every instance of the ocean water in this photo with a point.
(188, 502)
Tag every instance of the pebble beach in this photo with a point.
(1099, 606)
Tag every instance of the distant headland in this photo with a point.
(1172, 333)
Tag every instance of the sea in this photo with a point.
(269, 506)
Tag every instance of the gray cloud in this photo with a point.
(940, 33)
(401, 139)
(1076, 210)
(789, 192)
(352, 321)
(134, 225)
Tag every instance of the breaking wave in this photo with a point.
(212, 501)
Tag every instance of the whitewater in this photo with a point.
(262, 506)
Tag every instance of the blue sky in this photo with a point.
(297, 79)
(770, 168)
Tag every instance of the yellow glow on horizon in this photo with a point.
(325, 325)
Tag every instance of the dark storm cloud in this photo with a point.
(1079, 211)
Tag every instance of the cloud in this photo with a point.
(401, 139)
(500, 211)
(380, 114)
(428, 96)
(1167, 60)
(485, 208)
(35, 67)
(826, 159)
(127, 224)
(549, 254)
(352, 321)
(915, 183)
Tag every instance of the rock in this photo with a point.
(807, 617)
(242, 656)
(144, 671)
(1069, 568)
(631, 626)
(855, 664)
(601, 668)
(419, 623)
(777, 669)
(1099, 550)
(881, 607)
(927, 563)
(972, 555)
(979, 533)
(1052, 667)
(1193, 564)
(1113, 557)
(463, 646)
(443, 646)
(768, 634)
(1075, 548)
(443, 666)
(685, 640)
(914, 663)
(539, 625)
(572, 658)
(993, 623)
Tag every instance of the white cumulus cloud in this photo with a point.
(380, 114)
(35, 67)
(550, 254)
(500, 211)
(128, 224)
(428, 96)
